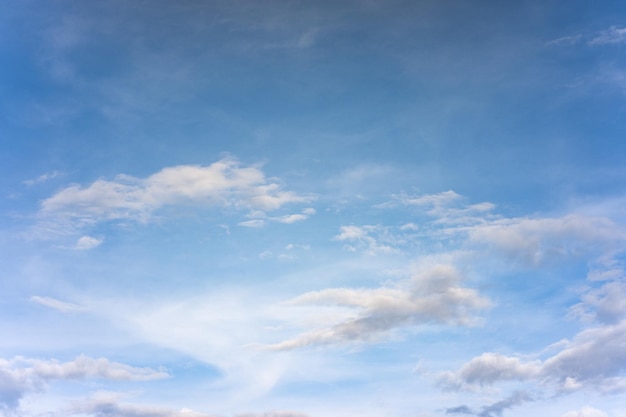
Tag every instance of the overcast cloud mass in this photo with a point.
(312, 209)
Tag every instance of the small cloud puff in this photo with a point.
(88, 242)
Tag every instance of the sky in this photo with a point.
(312, 208)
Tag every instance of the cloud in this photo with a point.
(586, 412)
(224, 183)
(434, 296)
(292, 218)
(252, 223)
(606, 304)
(20, 375)
(111, 408)
(42, 178)
(493, 410)
(371, 239)
(613, 35)
(565, 40)
(594, 359)
(88, 242)
(535, 241)
(58, 305)
(274, 414)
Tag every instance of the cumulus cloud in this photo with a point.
(594, 359)
(224, 183)
(19, 375)
(87, 242)
(434, 296)
(62, 306)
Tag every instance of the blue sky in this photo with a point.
(312, 209)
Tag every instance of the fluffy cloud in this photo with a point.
(434, 296)
(595, 359)
(88, 242)
(21, 375)
(224, 183)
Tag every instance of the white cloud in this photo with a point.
(594, 359)
(42, 178)
(88, 242)
(62, 306)
(612, 35)
(434, 296)
(20, 375)
(252, 223)
(586, 412)
(292, 218)
(371, 239)
(224, 183)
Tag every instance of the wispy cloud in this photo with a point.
(434, 296)
(62, 306)
(42, 178)
(613, 35)
(586, 412)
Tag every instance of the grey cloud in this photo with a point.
(493, 410)
(606, 304)
(21, 375)
(434, 296)
(105, 407)
(595, 359)
(462, 409)
(535, 241)
(275, 414)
